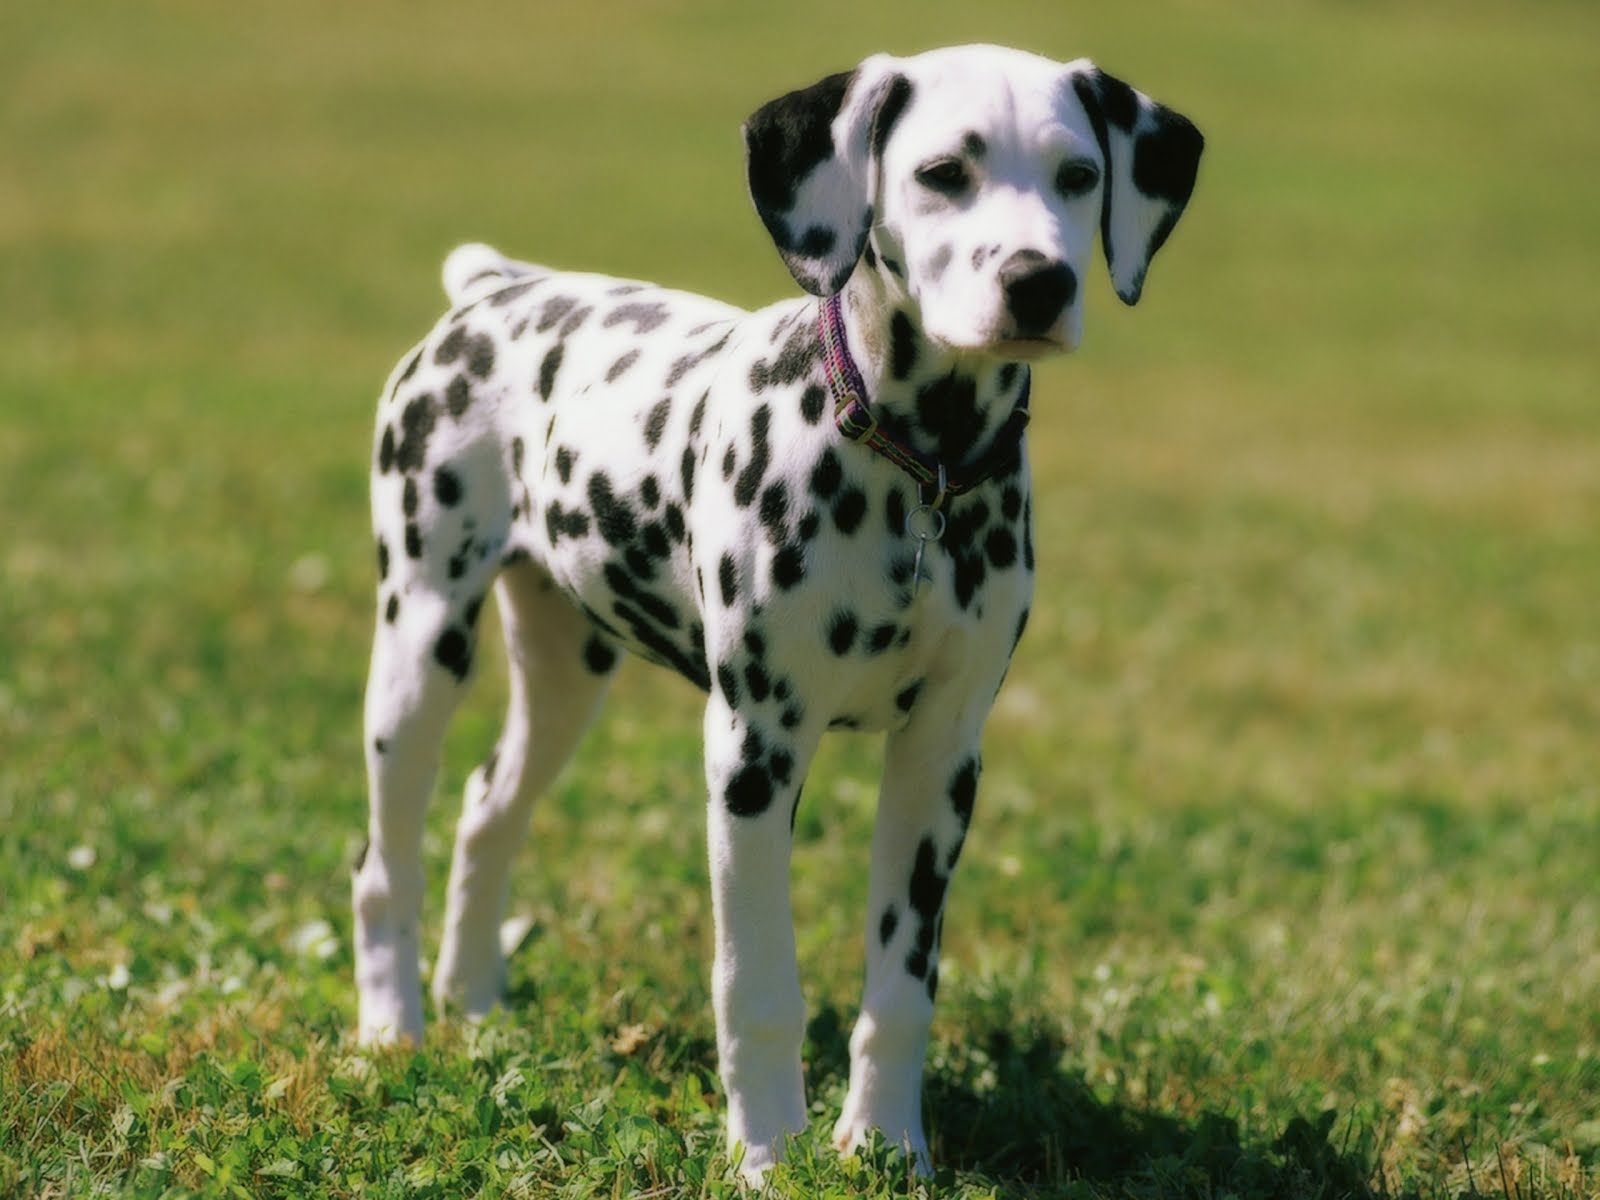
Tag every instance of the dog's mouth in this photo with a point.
(1028, 349)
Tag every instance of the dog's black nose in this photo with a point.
(1037, 290)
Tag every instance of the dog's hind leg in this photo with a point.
(559, 667)
(420, 656)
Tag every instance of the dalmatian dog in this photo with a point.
(818, 513)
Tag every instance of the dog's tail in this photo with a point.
(475, 270)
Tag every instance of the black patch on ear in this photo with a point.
(1165, 162)
(894, 105)
(1089, 90)
(788, 138)
(1118, 101)
(817, 241)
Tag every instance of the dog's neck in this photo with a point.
(946, 405)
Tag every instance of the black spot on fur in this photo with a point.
(749, 792)
(650, 491)
(516, 291)
(646, 317)
(386, 451)
(789, 566)
(887, 925)
(654, 539)
(554, 309)
(964, 790)
(948, 409)
(810, 525)
(842, 631)
(849, 511)
(690, 361)
(827, 475)
(411, 368)
(728, 682)
(408, 497)
(413, 540)
(728, 578)
(794, 361)
(902, 345)
(744, 490)
(686, 473)
(392, 609)
(449, 349)
(447, 487)
(548, 369)
(812, 402)
(575, 319)
(614, 372)
(480, 355)
(417, 420)
(781, 764)
(817, 241)
(1011, 504)
(928, 885)
(894, 105)
(383, 559)
(882, 637)
(614, 517)
(1001, 547)
(453, 651)
(907, 697)
(756, 679)
(655, 425)
(458, 396)
(564, 461)
(558, 522)
(895, 512)
(775, 510)
(599, 655)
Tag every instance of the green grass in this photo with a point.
(1284, 878)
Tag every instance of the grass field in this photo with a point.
(1285, 879)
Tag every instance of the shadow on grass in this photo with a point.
(1008, 1112)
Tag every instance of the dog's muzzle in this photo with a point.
(1037, 291)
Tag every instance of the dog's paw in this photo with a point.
(851, 1133)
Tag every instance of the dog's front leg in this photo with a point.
(929, 784)
(754, 776)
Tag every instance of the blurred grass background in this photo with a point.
(1291, 799)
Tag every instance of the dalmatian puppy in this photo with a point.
(818, 513)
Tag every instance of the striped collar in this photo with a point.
(855, 421)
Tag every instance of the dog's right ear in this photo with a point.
(810, 160)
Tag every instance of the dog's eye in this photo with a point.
(945, 175)
(1077, 178)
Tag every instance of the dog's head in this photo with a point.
(972, 180)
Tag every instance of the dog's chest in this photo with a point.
(675, 468)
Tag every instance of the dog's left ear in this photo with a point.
(809, 156)
(1152, 155)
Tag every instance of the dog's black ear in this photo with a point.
(1152, 156)
(809, 157)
